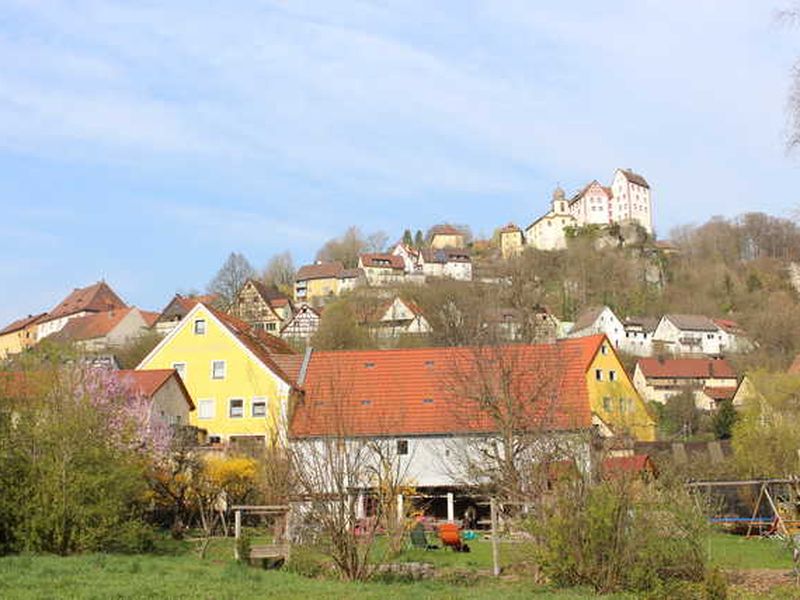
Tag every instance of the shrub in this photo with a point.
(620, 535)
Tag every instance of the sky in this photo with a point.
(142, 142)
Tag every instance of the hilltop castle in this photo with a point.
(626, 200)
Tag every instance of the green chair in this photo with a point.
(419, 539)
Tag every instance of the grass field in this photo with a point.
(178, 573)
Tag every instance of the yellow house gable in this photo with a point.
(613, 398)
(235, 392)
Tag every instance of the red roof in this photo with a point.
(94, 298)
(686, 368)
(272, 351)
(149, 317)
(385, 261)
(148, 382)
(91, 326)
(510, 228)
(328, 270)
(445, 229)
(423, 391)
(22, 323)
(720, 393)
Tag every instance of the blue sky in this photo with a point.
(142, 143)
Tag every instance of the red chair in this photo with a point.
(450, 536)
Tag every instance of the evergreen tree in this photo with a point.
(419, 240)
(408, 239)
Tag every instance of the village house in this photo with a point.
(303, 324)
(382, 269)
(170, 401)
(599, 319)
(421, 402)
(177, 308)
(397, 318)
(682, 335)
(105, 330)
(19, 335)
(638, 339)
(261, 306)
(321, 281)
(95, 298)
(241, 379)
(512, 241)
(710, 380)
(450, 263)
(536, 326)
(734, 338)
(446, 236)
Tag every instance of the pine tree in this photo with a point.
(408, 239)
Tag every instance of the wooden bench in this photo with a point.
(273, 551)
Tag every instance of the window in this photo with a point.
(607, 405)
(427, 400)
(603, 349)
(218, 369)
(205, 409)
(598, 374)
(402, 447)
(271, 326)
(622, 405)
(200, 327)
(259, 407)
(180, 367)
(214, 439)
(612, 375)
(236, 408)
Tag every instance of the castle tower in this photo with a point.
(559, 201)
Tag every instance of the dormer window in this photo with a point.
(200, 327)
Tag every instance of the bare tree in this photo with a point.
(344, 249)
(231, 277)
(512, 398)
(335, 470)
(280, 272)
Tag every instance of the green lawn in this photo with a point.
(738, 552)
(102, 577)
(178, 573)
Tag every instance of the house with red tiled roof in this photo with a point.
(322, 281)
(382, 269)
(263, 307)
(710, 380)
(170, 401)
(104, 330)
(425, 401)
(177, 308)
(446, 236)
(396, 318)
(19, 335)
(95, 298)
(240, 378)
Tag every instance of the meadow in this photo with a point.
(176, 572)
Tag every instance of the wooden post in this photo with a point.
(778, 517)
(451, 516)
(495, 558)
(401, 513)
(288, 534)
(237, 531)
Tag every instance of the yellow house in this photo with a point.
(242, 380)
(446, 236)
(19, 335)
(512, 241)
(317, 282)
(616, 405)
